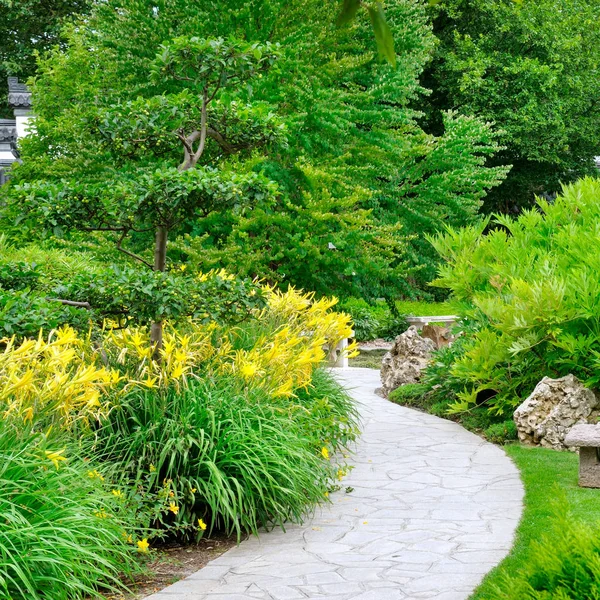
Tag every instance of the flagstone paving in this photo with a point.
(432, 509)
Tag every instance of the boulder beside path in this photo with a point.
(552, 409)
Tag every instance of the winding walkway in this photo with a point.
(433, 509)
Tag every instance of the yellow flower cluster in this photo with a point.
(66, 376)
(57, 374)
(178, 357)
(307, 327)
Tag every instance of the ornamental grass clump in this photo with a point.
(61, 537)
(233, 458)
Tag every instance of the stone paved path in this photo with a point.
(434, 508)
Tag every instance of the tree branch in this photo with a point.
(71, 303)
(131, 254)
(196, 156)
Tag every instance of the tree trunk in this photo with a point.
(160, 261)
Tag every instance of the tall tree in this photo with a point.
(531, 67)
(355, 179)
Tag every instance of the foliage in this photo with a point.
(226, 454)
(134, 296)
(61, 536)
(365, 321)
(499, 433)
(553, 555)
(530, 289)
(29, 27)
(24, 314)
(410, 394)
(439, 391)
(531, 68)
(349, 193)
(18, 275)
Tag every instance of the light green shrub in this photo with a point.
(561, 566)
(531, 295)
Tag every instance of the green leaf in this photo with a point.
(383, 33)
(348, 12)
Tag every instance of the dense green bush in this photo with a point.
(139, 296)
(61, 537)
(24, 314)
(364, 317)
(226, 454)
(530, 290)
(18, 275)
(563, 564)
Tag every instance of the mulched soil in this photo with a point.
(172, 563)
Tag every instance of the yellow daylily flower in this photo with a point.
(56, 456)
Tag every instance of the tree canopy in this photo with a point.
(327, 180)
(28, 27)
(531, 67)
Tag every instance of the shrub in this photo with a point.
(530, 287)
(365, 322)
(565, 565)
(18, 275)
(60, 537)
(411, 394)
(499, 433)
(24, 314)
(135, 296)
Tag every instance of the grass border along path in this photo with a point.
(548, 476)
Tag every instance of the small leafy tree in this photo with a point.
(198, 79)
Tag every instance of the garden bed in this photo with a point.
(172, 563)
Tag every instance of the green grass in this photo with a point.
(424, 309)
(368, 360)
(546, 474)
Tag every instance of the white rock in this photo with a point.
(406, 360)
(552, 409)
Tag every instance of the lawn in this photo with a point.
(424, 309)
(548, 476)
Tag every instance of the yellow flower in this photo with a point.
(340, 474)
(173, 508)
(326, 494)
(152, 468)
(202, 524)
(171, 494)
(325, 453)
(94, 474)
(117, 493)
(248, 370)
(193, 490)
(55, 457)
(143, 545)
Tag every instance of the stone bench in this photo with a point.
(420, 322)
(587, 439)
